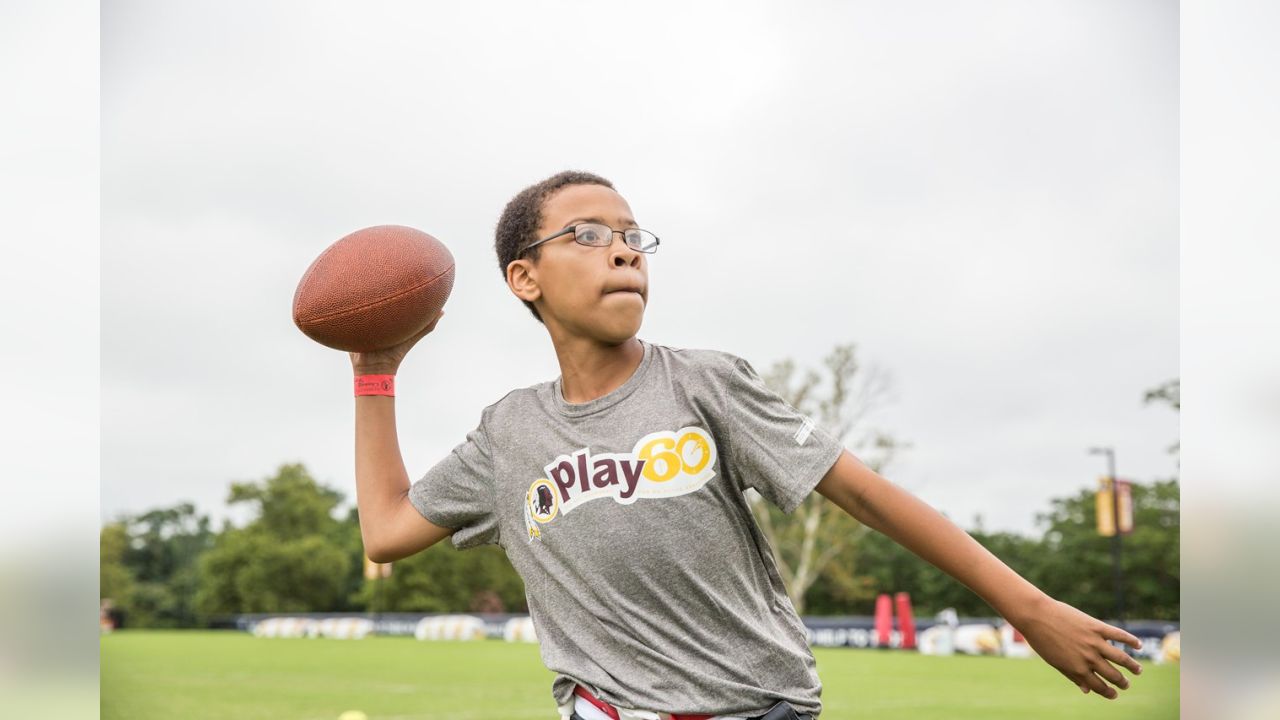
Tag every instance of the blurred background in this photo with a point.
(983, 202)
(967, 214)
(972, 211)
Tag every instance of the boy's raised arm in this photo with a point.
(390, 526)
(1069, 640)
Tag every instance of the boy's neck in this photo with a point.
(589, 370)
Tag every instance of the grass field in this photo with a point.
(194, 675)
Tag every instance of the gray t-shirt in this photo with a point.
(647, 578)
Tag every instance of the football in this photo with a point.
(373, 289)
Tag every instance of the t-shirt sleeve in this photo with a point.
(773, 448)
(458, 492)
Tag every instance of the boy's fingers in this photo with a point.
(430, 326)
(1120, 657)
(1097, 685)
(1123, 636)
(1112, 675)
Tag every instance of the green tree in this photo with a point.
(163, 549)
(294, 556)
(1075, 565)
(115, 579)
(165, 540)
(1070, 561)
(884, 566)
(819, 533)
(444, 579)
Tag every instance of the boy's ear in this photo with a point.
(522, 280)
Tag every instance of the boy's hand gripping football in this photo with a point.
(387, 362)
(1076, 644)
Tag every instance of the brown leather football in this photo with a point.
(373, 288)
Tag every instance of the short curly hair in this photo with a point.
(519, 223)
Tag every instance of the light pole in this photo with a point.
(1115, 525)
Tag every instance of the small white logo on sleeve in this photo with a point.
(803, 433)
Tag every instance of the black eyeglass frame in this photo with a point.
(574, 229)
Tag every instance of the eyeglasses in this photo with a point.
(598, 235)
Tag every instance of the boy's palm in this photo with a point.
(1076, 644)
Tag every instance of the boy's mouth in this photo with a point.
(628, 288)
(613, 293)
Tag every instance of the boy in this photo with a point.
(616, 491)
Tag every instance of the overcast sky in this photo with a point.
(982, 196)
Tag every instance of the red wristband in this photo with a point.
(376, 385)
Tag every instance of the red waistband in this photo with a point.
(609, 710)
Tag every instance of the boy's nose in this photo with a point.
(622, 254)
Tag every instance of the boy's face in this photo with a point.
(579, 290)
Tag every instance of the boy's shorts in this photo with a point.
(589, 707)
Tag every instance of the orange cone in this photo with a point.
(906, 624)
(884, 620)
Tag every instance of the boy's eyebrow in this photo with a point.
(627, 221)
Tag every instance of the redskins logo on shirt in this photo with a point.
(662, 464)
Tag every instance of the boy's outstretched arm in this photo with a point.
(1066, 638)
(390, 526)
